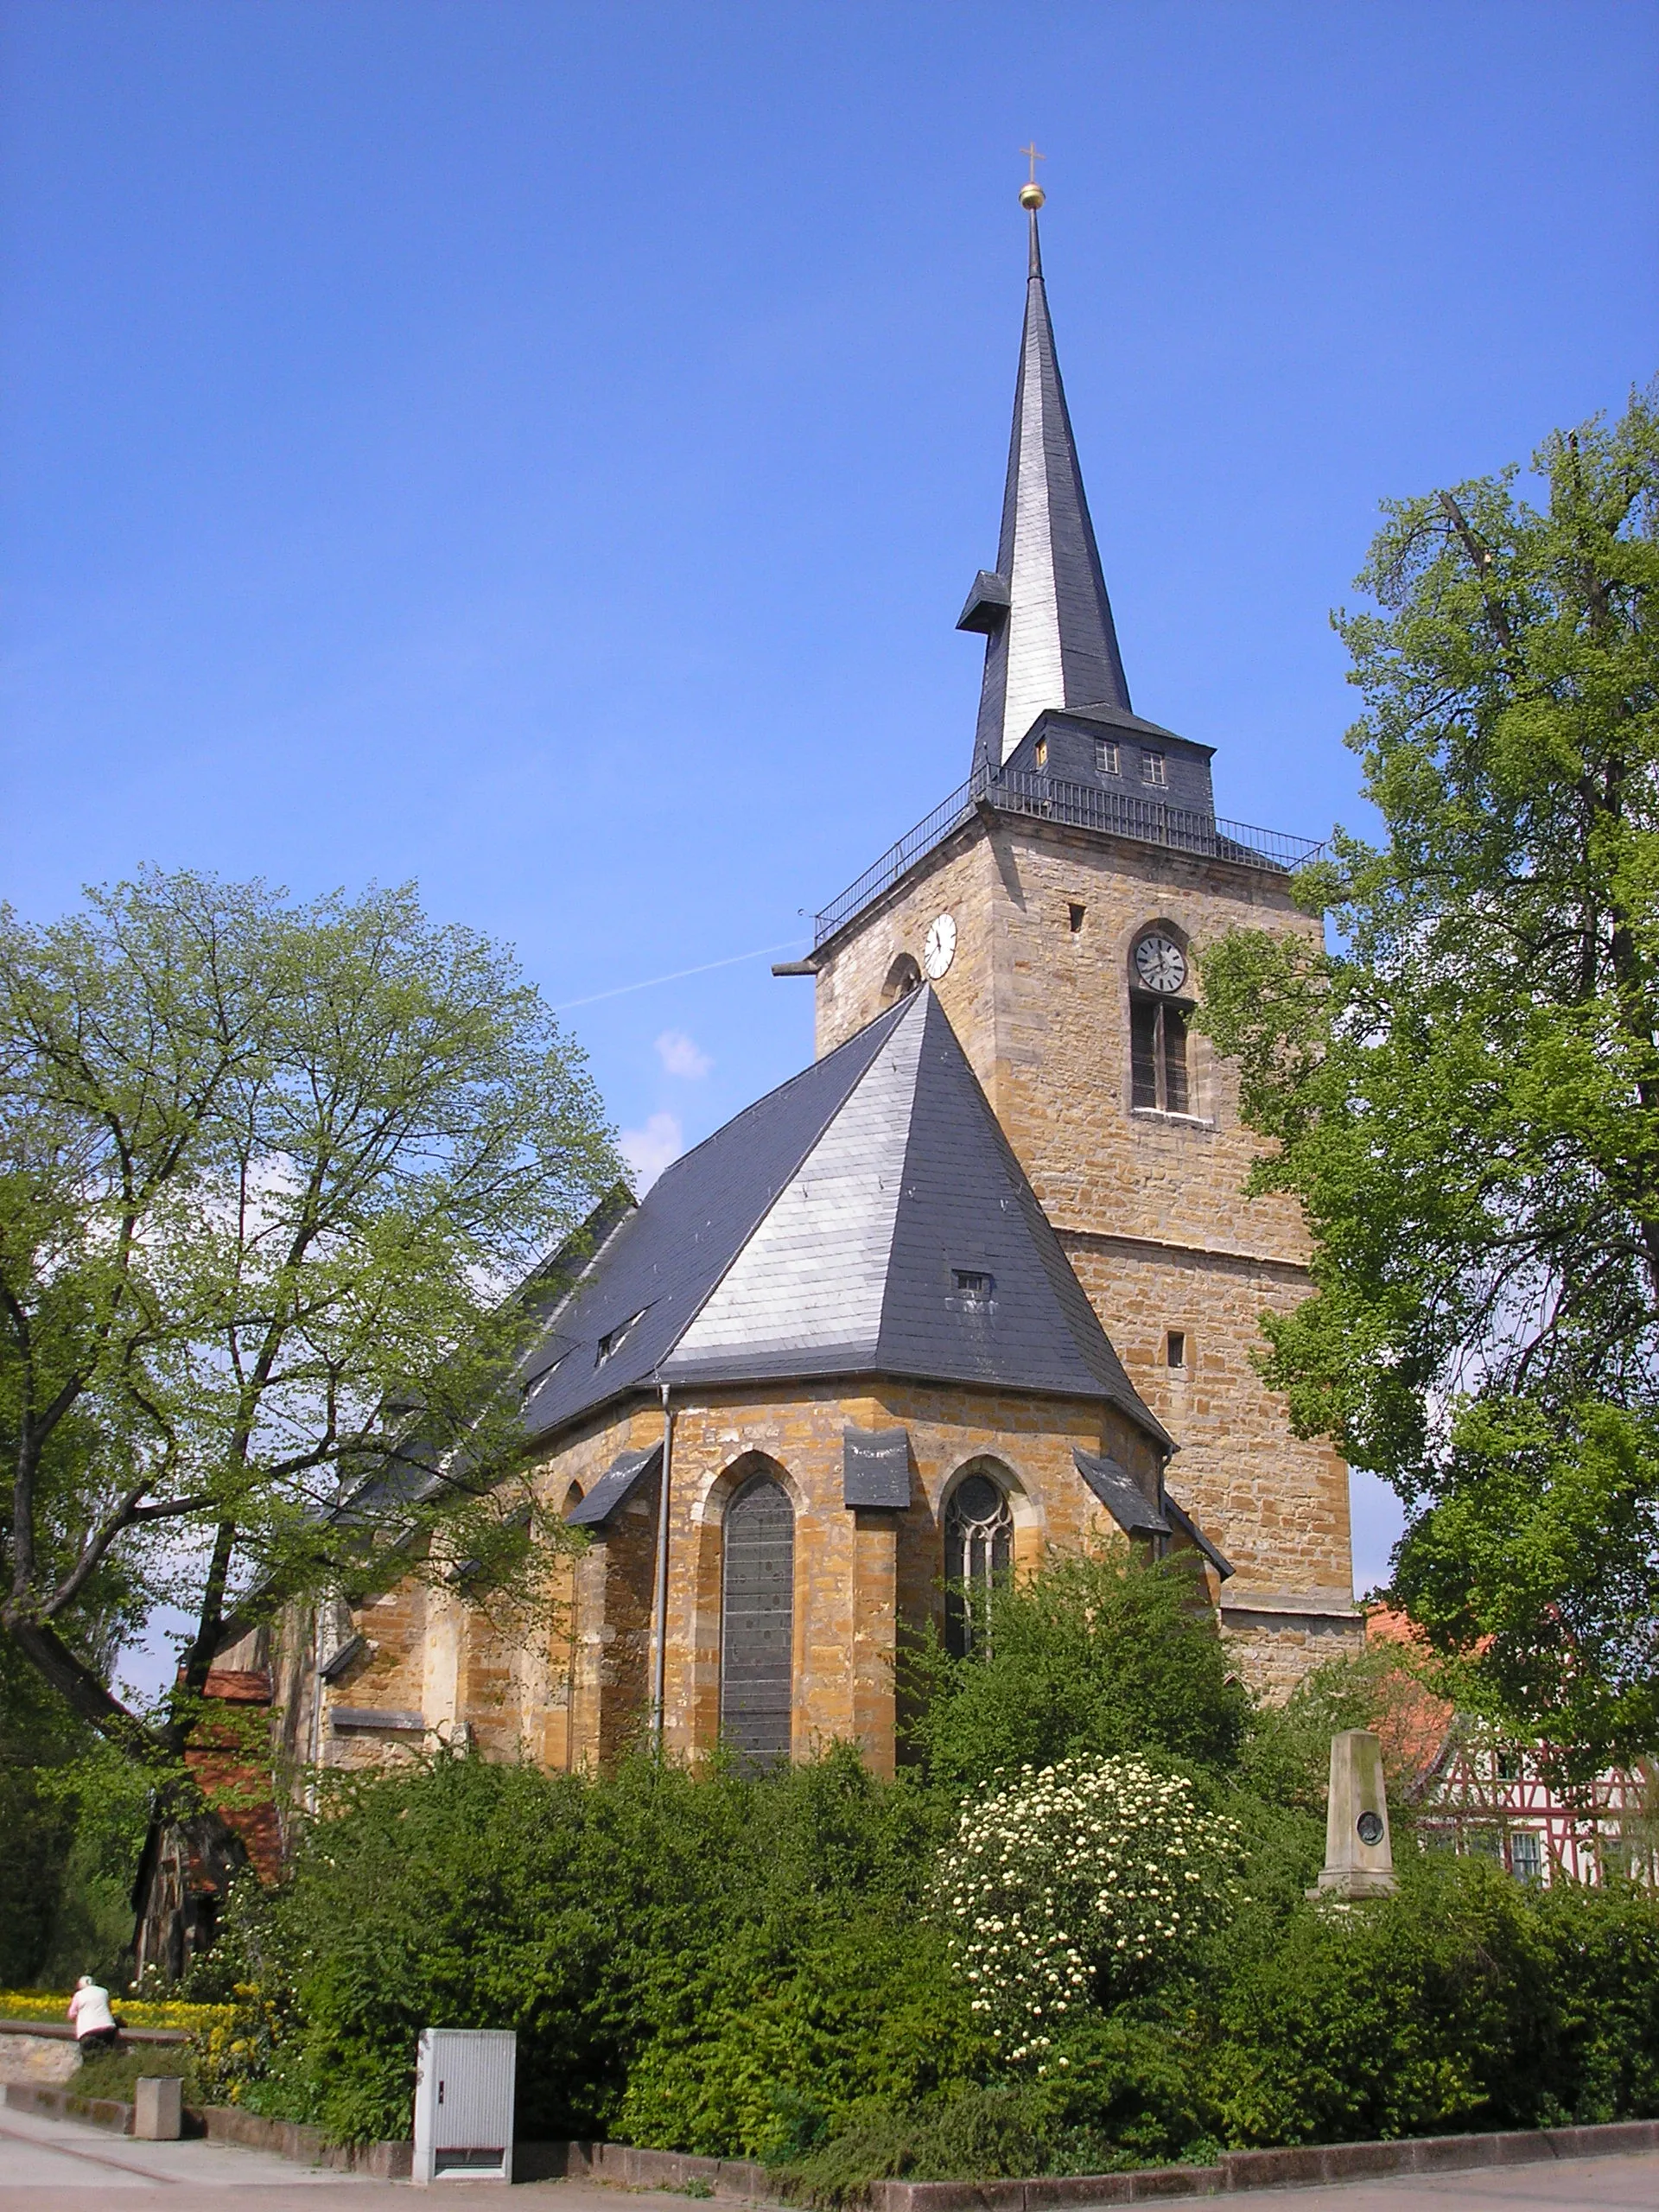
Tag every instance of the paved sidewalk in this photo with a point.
(1630, 2184)
(53, 2165)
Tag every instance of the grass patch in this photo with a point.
(113, 2073)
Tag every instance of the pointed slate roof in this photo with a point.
(828, 1231)
(1047, 621)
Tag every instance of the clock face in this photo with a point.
(940, 949)
(1159, 965)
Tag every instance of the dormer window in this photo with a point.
(1108, 759)
(542, 1375)
(1153, 769)
(975, 1289)
(611, 1340)
(1040, 752)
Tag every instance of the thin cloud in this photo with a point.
(681, 1057)
(648, 1151)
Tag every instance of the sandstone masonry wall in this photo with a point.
(1149, 1207)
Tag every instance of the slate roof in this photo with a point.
(614, 1488)
(823, 1231)
(1058, 644)
(1122, 1496)
(876, 1468)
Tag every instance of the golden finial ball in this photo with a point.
(1032, 195)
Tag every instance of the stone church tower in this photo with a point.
(1056, 902)
(978, 1285)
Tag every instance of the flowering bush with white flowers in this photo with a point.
(1077, 1884)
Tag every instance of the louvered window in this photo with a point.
(1158, 1046)
(978, 1552)
(758, 1622)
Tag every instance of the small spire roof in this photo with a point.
(1044, 611)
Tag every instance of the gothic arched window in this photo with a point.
(1159, 1006)
(978, 1554)
(757, 1621)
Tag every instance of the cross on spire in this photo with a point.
(1033, 157)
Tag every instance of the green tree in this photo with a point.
(1464, 1092)
(1096, 1654)
(269, 1173)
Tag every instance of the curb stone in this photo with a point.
(622, 2166)
(1300, 2166)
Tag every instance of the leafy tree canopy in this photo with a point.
(1465, 1093)
(269, 1175)
(1096, 1654)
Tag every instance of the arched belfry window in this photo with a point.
(1159, 1003)
(903, 978)
(757, 1621)
(978, 1554)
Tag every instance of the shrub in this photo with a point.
(600, 1920)
(1463, 2001)
(781, 2061)
(1083, 1883)
(976, 2134)
(1133, 2097)
(1096, 1654)
(779, 1967)
(1587, 2043)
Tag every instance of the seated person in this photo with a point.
(90, 2016)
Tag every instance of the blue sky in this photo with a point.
(541, 450)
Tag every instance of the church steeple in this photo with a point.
(1044, 613)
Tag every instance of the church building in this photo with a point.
(977, 1286)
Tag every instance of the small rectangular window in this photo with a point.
(1041, 753)
(1076, 914)
(1527, 1855)
(1152, 769)
(1175, 1348)
(974, 1288)
(1106, 758)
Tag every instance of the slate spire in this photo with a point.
(1044, 614)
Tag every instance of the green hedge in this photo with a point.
(744, 1968)
(749, 1967)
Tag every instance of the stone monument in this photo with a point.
(1358, 1860)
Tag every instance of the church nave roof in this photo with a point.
(866, 1217)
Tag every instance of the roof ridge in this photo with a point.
(895, 1017)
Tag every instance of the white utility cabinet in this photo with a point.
(463, 2104)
